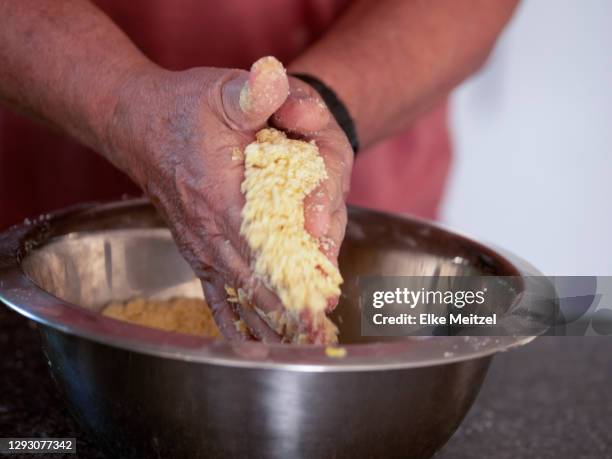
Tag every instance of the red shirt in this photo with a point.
(41, 170)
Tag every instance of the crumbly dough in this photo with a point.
(279, 174)
(183, 315)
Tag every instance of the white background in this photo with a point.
(533, 140)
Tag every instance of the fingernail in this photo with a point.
(244, 99)
(268, 65)
(263, 77)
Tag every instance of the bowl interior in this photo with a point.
(117, 255)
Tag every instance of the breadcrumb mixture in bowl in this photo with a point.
(191, 316)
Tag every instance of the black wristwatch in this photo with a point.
(335, 106)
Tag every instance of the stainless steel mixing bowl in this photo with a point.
(144, 393)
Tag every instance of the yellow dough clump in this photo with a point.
(279, 174)
(191, 316)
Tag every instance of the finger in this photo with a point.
(261, 309)
(317, 212)
(316, 328)
(270, 310)
(331, 193)
(338, 156)
(320, 204)
(264, 314)
(330, 243)
(261, 329)
(249, 99)
(302, 114)
(249, 307)
(296, 327)
(225, 318)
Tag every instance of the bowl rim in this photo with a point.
(24, 296)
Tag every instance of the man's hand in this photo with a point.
(180, 136)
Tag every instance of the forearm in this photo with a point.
(391, 60)
(64, 62)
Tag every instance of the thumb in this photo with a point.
(251, 98)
